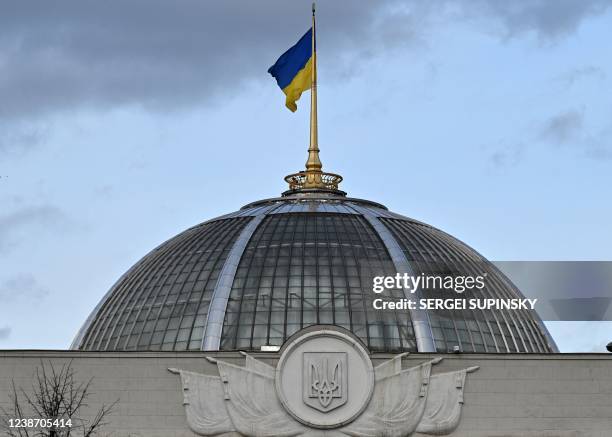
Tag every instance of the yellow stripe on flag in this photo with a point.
(300, 83)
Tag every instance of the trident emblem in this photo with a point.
(321, 385)
(325, 380)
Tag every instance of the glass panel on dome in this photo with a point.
(164, 290)
(330, 261)
(431, 251)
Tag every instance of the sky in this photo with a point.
(124, 123)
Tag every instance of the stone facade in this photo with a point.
(510, 395)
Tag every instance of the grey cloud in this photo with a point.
(158, 54)
(599, 146)
(547, 19)
(563, 128)
(507, 155)
(58, 56)
(22, 286)
(567, 129)
(20, 137)
(577, 74)
(5, 333)
(20, 224)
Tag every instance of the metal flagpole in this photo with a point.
(314, 178)
(313, 165)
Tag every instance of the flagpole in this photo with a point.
(313, 179)
(313, 165)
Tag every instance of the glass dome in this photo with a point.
(255, 277)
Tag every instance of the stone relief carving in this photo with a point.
(325, 380)
(323, 385)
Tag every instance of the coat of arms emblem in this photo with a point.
(324, 385)
(325, 379)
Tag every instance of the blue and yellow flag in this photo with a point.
(293, 70)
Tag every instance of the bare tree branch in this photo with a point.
(55, 395)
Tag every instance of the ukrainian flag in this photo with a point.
(293, 70)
